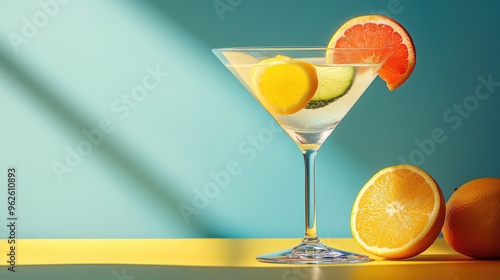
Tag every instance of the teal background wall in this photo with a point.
(117, 115)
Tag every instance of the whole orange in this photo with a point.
(472, 222)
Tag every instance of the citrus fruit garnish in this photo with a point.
(284, 85)
(472, 224)
(398, 213)
(376, 31)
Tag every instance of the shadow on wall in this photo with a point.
(155, 187)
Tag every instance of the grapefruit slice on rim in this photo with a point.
(376, 31)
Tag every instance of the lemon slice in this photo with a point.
(284, 85)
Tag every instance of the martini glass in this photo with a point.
(310, 126)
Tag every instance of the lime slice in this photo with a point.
(333, 83)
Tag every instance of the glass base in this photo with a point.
(313, 253)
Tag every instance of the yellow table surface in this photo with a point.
(226, 259)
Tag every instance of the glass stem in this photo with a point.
(310, 195)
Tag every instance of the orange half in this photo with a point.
(398, 213)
